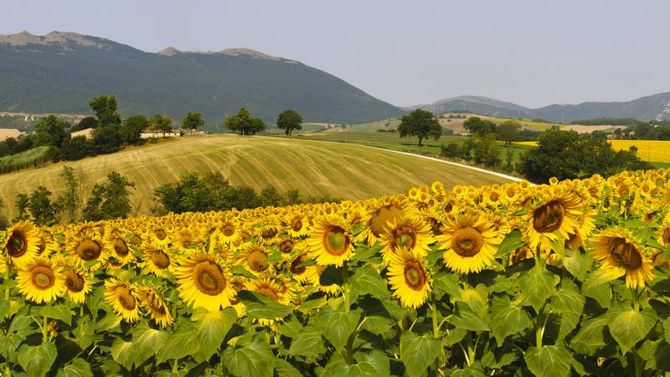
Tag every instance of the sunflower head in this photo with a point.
(21, 243)
(621, 254)
(203, 282)
(409, 278)
(152, 302)
(470, 242)
(123, 299)
(40, 281)
(330, 240)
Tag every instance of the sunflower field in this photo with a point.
(565, 279)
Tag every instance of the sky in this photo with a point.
(531, 52)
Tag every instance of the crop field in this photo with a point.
(647, 150)
(338, 170)
(566, 279)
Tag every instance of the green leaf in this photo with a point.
(466, 319)
(83, 333)
(262, 307)
(78, 368)
(4, 309)
(512, 241)
(239, 270)
(146, 343)
(181, 343)
(666, 329)
(373, 364)
(290, 328)
(18, 331)
(212, 330)
(418, 352)
(470, 371)
(339, 326)
(591, 336)
(37, 360)
(61, 312)
(537, 285)
(308, 344)
(628, 326)
(508, 319)
(285, 369)
(367, 280)
(567, 300)
(254, 359)
(123, 353)
(548, 361)
(448, 284)
(577, 263)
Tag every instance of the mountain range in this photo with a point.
(654, 107)
(61, 72)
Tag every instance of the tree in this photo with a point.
(105, 108)
(288, 121)
(486, 150)
(22, 202)
(478, 126)
(75, 148)
(42, 210)
(107, 139)
(508, 131)
(420, 123)
(68, 201)
(110, 199)
(4, 223)
(132, 129)
(51, 131)
(88, 122)
(160, 123)
(192, 121)
(244, 123)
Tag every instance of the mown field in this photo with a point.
(339, 170)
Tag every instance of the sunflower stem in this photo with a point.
(45, 329)
(636, 299)
(638, 363)
(433, 309)
(8, 369)
(345, 288)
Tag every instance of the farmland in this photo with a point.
(648, 150)
(338, 170)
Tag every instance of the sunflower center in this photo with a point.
(494, 197)
(415, 276)
(228, 230)
(268, 292)
(17, 244)
(155, 304)
(125, 298)
(336, 241)
(296, 268)
(404, 236)
(160, 234)
(296, 224)
(88, 250)
(136, 240)
(549, 217)
(269, 232)
(208, 278)
(120, 247)
(383, 216)
(467, 242)
(160, 259)
(43, 277)
(74, 282)
(257, 260)
(625, 254)
(286, 246)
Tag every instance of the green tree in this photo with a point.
(4, 223)
(105, 109)
(508, 131)
(160, 123)
(288, 121)
(88, 122)
(132, 129)
(75, 148)
(68, 201)
(110, 199)
(486, 150)
(22, 202)
(42, 209)
(51, 131)
(107, 139)
(244, 123)
(478, 126)
(420, 123)
(192, 121)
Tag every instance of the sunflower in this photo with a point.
(469, 241)
(382, 213)
(297, 225)
(123, 300)
(78, 285)
(21, 243)
(88, 247)
(228, 231)
(40, 281)
(254, 257)
(156, 261)
(663, 233)
(330, 241)
(409, 278)
(621, 254)
(203, 282)
(46, 244)
(552, 220)
(299, 272)
(412, 233)
(155, 306)
(121, 252)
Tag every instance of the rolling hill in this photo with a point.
(654, 107)
(61, 72)
(316, 168)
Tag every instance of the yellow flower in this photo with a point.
(620, 254)
(40, 281)
(412, 234)
(470, 242)
(554, 219)
(254, 257)
(122, 299)
(155, 306)
(409, 278)
(330, 241)
(203, 282)
(88, 247)
(78, 285)
(156, 261)
(21, 243)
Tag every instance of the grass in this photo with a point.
(318, 168)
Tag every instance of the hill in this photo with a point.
(316, 168)
(61, 72)
(654, 107)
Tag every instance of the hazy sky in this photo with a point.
(532, 52)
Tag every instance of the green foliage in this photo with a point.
(87, 122)
(192, 120)
(110, 199)
(160, 123)
(244, 123)
(420, 123)
(51, 131)
(508, 131)
(105, 109)
(289, 120)
(42, 210)
(132, 128)
(28, 159)
(479, 127)
(68, 202)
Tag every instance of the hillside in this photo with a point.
(61, 72)
(316, 168)
(654, 107)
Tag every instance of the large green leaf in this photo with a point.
(338, 326)
(512, 241)
(466, 319)
(183, 342)
(146, 343)
(212, 330)
(445, 283)
(262, 307)
(508, 319)
(537, 285)
(628, 326)
(568, 300)
(308, 344)
(37, 360)
(418, 352)
(577, 263)
(290, 327)
(470, 371)
(61, 312)
(367, 280)
(591, 336)
(18, 330)
(285, 369)
(253, 359)
(548, 361)
(84, 333)
(78, 368)
(123, 353)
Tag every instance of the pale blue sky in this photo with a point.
(532, 52)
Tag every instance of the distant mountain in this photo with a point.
(61, 72)
(655, 107)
